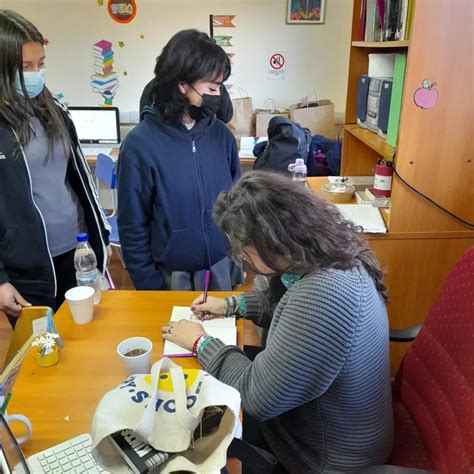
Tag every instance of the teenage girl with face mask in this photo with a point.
(172, 167)
(47, 194)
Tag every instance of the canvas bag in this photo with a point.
(243, 118)
(167, 416)
(263, 116)
(317, 115)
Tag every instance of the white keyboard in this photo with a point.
(96, 151)
(72, 456)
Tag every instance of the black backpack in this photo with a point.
(287, 141)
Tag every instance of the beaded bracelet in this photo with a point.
(203, 344)
(197, 342)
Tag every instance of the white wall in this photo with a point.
(317, 55)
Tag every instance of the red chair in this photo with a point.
(433, 392)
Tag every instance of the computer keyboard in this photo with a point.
(72, 456)
(96, 151)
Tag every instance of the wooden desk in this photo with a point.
(89, 365)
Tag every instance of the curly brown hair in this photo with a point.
(281, 218)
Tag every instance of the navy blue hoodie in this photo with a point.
(168, 181)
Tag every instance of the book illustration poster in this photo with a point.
(104, 81)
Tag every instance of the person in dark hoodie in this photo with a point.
(172, 167)
(47, 194)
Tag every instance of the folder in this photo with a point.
(362, 93)
(396, 99)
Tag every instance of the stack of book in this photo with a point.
(385, 20)
(104, 81)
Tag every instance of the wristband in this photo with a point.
(203, 344)
(196, 343)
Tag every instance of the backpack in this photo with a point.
(287, 141)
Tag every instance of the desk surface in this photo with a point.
(89, 366)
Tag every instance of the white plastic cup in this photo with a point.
(135, 364)
(81, 303)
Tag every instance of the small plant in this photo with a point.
(46, 343)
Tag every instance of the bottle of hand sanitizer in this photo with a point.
(298, 168)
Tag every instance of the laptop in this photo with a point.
(72, 456)
(98, 128)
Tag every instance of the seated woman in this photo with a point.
(319, 392)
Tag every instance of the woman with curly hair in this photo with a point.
(318, 394)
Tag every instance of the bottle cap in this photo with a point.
(298, 166)
(82, 237)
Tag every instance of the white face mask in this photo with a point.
(34, 82)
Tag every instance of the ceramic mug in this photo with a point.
(23, 420)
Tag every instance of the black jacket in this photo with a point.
(25, 260)
(224, 113)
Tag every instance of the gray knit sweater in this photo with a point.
(321, 387)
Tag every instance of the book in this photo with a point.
(402, 21)
(220, 328)
(391, 19)
(396, 99)
(102, 46)
(367, 218)
(409, 19)
(372, 22)
(139, 455)
(362, 19)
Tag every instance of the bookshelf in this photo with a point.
(434, 154)
(381, 44)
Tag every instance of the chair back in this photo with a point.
(436, 379)
(105, 170)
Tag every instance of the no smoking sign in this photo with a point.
(277, 65)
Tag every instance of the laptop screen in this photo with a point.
(11, 457)
(97, 125)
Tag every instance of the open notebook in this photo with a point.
(221, 328)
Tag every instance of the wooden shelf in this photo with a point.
(372, 140)
(381, 44)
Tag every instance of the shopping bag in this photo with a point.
(165, 409)
(243, 119)
(317, 115)
(263, 116)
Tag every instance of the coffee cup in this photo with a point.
(81, 303)
(135, 353)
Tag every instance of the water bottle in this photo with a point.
(298, 168)
(85, 263)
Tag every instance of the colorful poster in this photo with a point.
(223, 21)
(104, 81)
(122, 11)
(305, 11)
(224, 41)
(277, 65)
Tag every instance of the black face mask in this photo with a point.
(210, 105)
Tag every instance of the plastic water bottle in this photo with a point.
(298, 168)
(85, 263)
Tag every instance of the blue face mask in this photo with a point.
(34, 83)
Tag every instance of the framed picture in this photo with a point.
(305, 12)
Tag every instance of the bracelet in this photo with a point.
(203, 344)
(242, 306)
(197, 342)
(231, 306)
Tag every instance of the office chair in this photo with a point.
(106, 172)
(433, 391)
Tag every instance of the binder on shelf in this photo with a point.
(391, 19)
(362, 95)
(396, 99)
(384, 107)
(373, 103)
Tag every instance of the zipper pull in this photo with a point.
(194, 147)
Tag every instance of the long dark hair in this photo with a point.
(280, 218)
(189, 56)
(15, 109)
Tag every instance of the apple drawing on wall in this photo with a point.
(426, 97)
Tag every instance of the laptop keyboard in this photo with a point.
(96, 151)
(73, 456)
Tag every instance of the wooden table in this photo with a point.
(89, 365)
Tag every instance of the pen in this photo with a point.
(207, 278)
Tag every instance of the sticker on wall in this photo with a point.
(122, 11)
(277, 65)
(45, 42)
(231, 57)
(224, 41)
(100, 3)
(426, 96)
(223, 21)
(104, 81)
(121, 44)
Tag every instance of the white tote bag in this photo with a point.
(165, 409)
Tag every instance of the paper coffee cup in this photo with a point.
(81, 303)
(135, 353)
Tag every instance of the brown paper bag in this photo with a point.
(263, 116)
(243, 120)
(316, 115)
